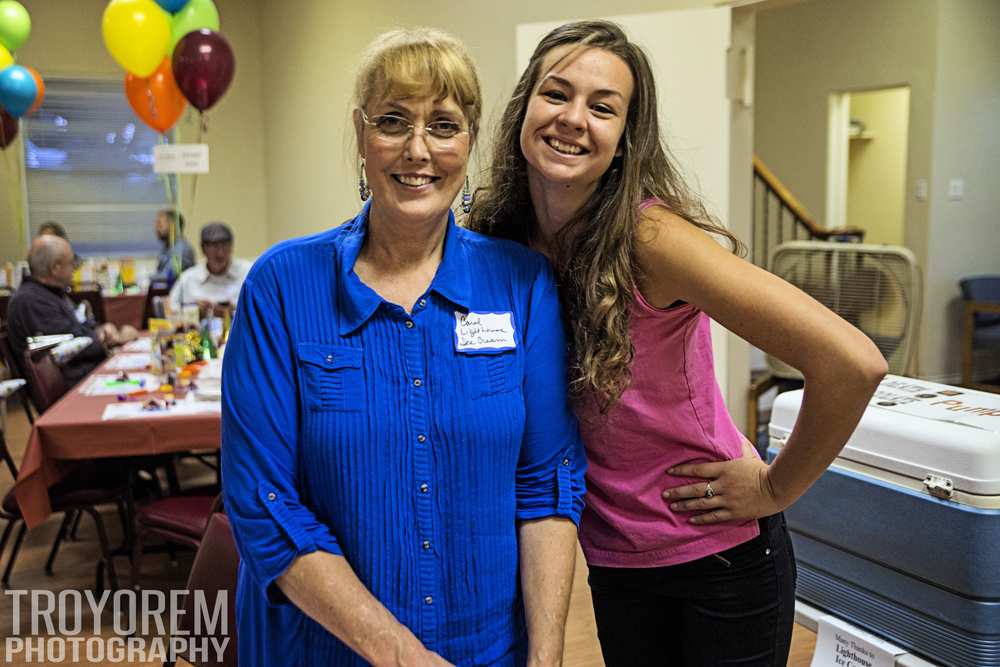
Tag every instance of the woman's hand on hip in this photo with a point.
(732, 491)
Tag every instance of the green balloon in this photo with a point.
(15, 24)
(195, 15)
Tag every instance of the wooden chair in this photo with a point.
(179, 519)
(96, 301)
(981, 324)
(46, 384)
(14, 372)
(156, 289)
(214, 571)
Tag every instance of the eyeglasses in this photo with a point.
(395, 129)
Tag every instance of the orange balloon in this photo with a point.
(156, 99)
(41, 89)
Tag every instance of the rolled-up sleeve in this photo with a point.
(271, 522)
(550, 475)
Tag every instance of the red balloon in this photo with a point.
(156, 99)
(203, 66)
(8, 129)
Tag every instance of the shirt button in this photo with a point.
(409, 324)
(421, 438)
(424, 488)
(422, 302)
(566, 462)
(329, 358)
(428, 600)
(417, 382)
(426, 544)
(272, 496)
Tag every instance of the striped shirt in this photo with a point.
(411, 444)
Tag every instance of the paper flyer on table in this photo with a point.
(135, 361)
(111, 385)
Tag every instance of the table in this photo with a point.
(73, 430)
(125, 309)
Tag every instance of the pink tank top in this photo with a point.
(671, 413)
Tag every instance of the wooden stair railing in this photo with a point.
(778, 217)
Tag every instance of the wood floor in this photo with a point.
(74, 569)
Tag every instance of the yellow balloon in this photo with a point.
(137, 34)
(6, 60)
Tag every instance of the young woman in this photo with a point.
(689, 557)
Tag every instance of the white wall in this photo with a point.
(964, 235)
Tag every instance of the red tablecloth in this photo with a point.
(72, 430)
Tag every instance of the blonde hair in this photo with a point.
(412, 62)
(595, 255)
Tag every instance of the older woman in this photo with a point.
(402, 469)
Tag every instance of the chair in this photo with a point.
(214, 571)
(81, 491)
(46, 384)
(179, 519)
(981, 324)
(156, 289)
(14, 372)
(4, 300)
(96, 301)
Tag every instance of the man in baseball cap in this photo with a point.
(215, 284)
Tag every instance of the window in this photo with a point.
(89, 167)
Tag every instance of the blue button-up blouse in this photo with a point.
(353, 427)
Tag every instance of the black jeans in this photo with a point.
(736, 607)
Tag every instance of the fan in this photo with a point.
(877, 288)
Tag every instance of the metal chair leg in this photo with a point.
(6, 535)
(102, 537)
(60, 536)
(13, 555)
(76, 524)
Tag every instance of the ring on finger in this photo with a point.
(709, 491)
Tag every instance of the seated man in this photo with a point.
(214, 285)
(41, 306)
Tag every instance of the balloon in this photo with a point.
(15, 24)
(172, 6)
(18, 90)
(6, 60)
(137, 34)
(197, 14)
(40, 84)
(156, 100)
(203, 66)
(8, 129)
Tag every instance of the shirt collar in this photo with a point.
(206, 274)
(358, 302)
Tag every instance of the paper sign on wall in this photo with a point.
(180, 159)
(840, 644)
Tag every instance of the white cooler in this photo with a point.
(901, 536)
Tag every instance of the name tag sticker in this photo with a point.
(484, 331)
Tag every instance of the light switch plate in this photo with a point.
(956, 189)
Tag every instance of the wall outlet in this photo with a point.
(956, 189)
(920, 190)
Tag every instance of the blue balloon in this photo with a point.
(172, 6)
(17, 90)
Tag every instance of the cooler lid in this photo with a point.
(918, 428)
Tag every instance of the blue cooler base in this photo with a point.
(924, 628)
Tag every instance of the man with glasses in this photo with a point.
(41, 306)
(215, 285)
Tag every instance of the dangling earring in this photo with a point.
(466, 197)
(363, 190)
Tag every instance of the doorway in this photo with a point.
(866, 171)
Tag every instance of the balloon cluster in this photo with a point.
(173, 54)
(21, 88)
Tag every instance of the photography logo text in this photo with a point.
(123, 627)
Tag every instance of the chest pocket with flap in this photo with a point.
(332, 377)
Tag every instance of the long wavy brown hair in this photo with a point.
(595, 259)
